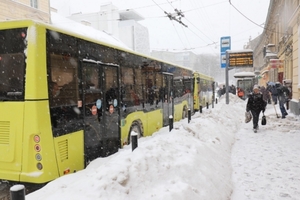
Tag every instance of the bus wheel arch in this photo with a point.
(137, 127)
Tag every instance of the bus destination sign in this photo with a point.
(240, 59)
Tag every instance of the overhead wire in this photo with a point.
(171, 20)
(181, 27)
(244, 15)
(178, 34)
(213, 42)
(191, 48)
(263, 27)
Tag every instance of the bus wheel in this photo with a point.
(136, 127)
(184, 112)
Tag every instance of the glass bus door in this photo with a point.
(100, 102)
(168, 100)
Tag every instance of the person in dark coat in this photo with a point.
(233, 89)
(265, 93)
(272, 89)
(283, 96)
(240, 92)
(255, 105)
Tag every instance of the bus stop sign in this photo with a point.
(225, 45)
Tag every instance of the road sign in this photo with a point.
(223, 59)
(225, 44)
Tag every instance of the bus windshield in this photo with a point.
(12, 64)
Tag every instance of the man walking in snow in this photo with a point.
(272, 89)
(256, 104)
(283, 96)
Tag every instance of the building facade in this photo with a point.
(119, 24)
(25, 9)
(277, 52)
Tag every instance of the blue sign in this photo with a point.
(223, 59)
(225, 44)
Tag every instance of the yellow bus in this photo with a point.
(204, 90)
(66, 99)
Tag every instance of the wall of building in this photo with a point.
(108, 19)
(282, 30)
(11, 10)
(295, 103)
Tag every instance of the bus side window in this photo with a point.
(64, 74)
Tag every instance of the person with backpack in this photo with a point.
(255, 105)
(283, 96)
(240, 92)
(273, 91)
(265, 93)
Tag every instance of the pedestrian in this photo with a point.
(255, 105)
(265, 93)
(223, 90)
(219, 92)
(283, 96)
(233, 89)
(273, 92)
(240, 92)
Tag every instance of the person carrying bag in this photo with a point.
(263, 119)
(255, 105)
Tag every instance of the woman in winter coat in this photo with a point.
(255, 105)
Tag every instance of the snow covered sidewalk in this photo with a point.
(215, 157)
(266, 164)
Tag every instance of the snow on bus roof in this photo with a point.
(69, 25)
(244, 75)
(86, 31)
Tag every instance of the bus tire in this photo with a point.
(136, 127)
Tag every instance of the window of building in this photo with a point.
(34, 3)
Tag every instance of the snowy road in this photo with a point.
(266, 164)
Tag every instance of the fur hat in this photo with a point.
(255, 87)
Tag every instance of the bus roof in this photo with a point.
(71, 27)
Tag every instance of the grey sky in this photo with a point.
(207, 21)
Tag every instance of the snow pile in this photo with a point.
(190, 162)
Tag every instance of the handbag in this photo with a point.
(263, 120)
(248, 117)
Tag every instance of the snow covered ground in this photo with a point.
(214, 157)
(266, 165)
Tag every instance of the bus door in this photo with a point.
(168, 99)
(100, 99)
